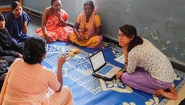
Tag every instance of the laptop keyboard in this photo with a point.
(105, 69)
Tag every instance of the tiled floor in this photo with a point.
(33, 25)
(36, 23)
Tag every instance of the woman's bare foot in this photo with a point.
(172, 90)
(169, 95)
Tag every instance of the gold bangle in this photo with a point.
(125, 63)
(61, 20)
(45, 35)
(123, 70)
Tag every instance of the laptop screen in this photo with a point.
(97, 60)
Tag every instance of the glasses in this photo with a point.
(120, 35)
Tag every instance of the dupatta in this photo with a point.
(3, 90)
(91, 29)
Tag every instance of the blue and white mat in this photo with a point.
(88, 90)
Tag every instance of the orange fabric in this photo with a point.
(3, 90)
(29, 85)
(54, 28)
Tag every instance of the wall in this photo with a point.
(162, 22)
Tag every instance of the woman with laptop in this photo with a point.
(148, 69)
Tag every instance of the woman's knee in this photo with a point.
(125, 77)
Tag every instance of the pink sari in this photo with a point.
(54, 28)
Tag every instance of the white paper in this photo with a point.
(120, 59)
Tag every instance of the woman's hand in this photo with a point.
(80, 36)
(58, 14)
(47, 38)
(62, 59)
(119, 74)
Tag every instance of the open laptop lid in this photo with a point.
(97, 60)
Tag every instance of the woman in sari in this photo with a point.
(29, 83)
(17, 22)
(54, 25)
(89, 34)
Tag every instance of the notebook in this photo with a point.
(101, 68)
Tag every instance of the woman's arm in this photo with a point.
(24, 30)
(75, 29)
(97, 31)
(125, 52)
(43, 24)
(9, 53)
(62, 21)
(44, 20)
(97, 24)
(26, 20)
(61, 61)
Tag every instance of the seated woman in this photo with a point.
(89, 34)
(54, 25)
(17, 22)
(9, 50)
(148, 69)
(29, 83)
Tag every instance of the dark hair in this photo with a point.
(34, 49)
(3, 17)
(130, 30)
(15, 4)
(52, 2)
(89, 3)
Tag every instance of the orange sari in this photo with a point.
(54, 28)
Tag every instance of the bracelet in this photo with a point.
(125, 63)
(45, 34)
(123, 70)
(61, 20)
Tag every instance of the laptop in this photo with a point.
(101, 68)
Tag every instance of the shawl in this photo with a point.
(91, 29)
(5, 38)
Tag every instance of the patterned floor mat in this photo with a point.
(88, 90)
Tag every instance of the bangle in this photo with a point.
(123, 70)
(45, 35)
(78, 34)
(61, 20)
(125, 63)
